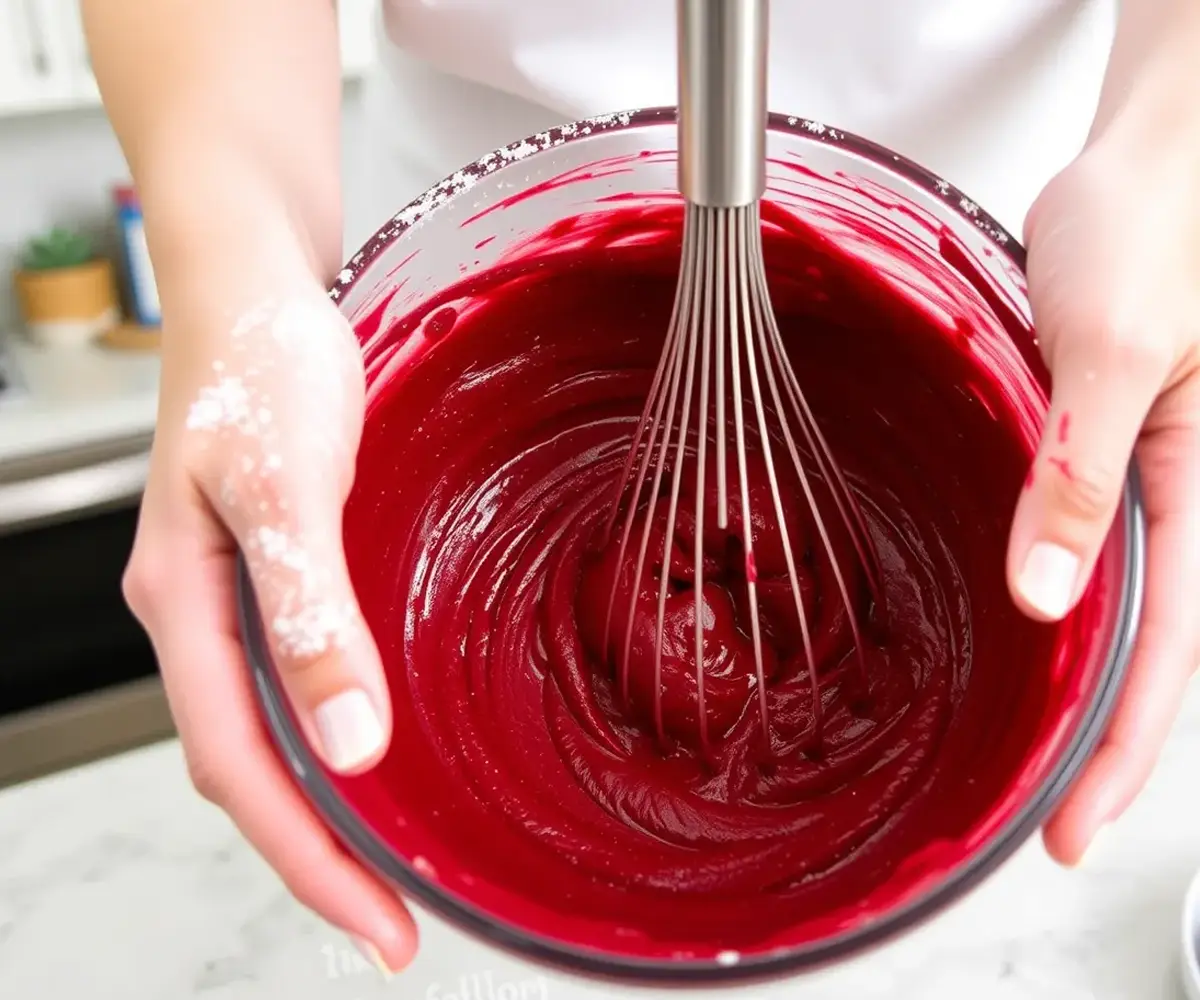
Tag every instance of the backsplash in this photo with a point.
(59, 169)
(59, 159)
(54, 170)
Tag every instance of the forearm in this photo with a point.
(228, 114)
(1151, 88)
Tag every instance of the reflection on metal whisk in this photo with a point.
(723, 361)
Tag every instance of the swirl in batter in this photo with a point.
(520, 775)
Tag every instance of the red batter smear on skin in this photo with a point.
(1063, 466)
(1064, 428)
(520, 771)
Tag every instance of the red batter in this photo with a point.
(520, 778)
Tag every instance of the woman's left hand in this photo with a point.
(1114, 281)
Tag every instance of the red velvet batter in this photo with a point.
(520, 779)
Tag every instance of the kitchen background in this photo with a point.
(116, 880)
(78, 380)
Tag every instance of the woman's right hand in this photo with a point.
(259, 422)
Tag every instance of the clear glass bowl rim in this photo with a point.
(375, 853)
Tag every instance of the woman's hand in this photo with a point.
(1114, 280)
(228, 114)
(258, 428)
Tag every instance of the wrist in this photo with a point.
(225, 248)
(1147, 108)
(222, 227)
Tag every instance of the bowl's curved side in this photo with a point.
(377, 855)
(806, 129)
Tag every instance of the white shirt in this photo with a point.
(994, 95)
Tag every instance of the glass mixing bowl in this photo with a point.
(484, 211)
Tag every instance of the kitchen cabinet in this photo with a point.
(44, 63)
(33, 70)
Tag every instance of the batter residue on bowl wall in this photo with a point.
(519, 776)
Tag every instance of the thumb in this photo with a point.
(326, 658)
(1100, 399)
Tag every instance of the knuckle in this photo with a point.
(299, 669)
(205, 779)
(302, 892)
(143, 578)
(1128, 348)
(312, 628)
(309, 675)
(1087, 493)
(296, 870)
(244, 482)
(133, 589)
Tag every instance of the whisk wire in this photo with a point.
(723, 339)
(711, 263)
(643, 450)
(718, 284)
(753, 355)
(693, 337)
(848, 508)
(771, 350)
(739, 296)
(724, 350)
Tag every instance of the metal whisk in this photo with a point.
(722, 339)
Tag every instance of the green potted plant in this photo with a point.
(66, 293)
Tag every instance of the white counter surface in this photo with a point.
(117, 881)
(65, 397)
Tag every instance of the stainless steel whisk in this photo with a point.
(722, 339)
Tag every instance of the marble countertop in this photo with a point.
(117, 881)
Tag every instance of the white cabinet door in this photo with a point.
(29, 75)
(43, 57)
(44, 63)
(65, 26)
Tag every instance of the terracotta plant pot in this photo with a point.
(70, 304)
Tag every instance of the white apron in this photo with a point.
(994, 95)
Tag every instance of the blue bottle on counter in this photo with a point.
(143, 292)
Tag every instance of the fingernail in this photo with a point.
(1048, 579)
(372, 955)
(350, 730)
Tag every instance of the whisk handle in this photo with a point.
(722, 101)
